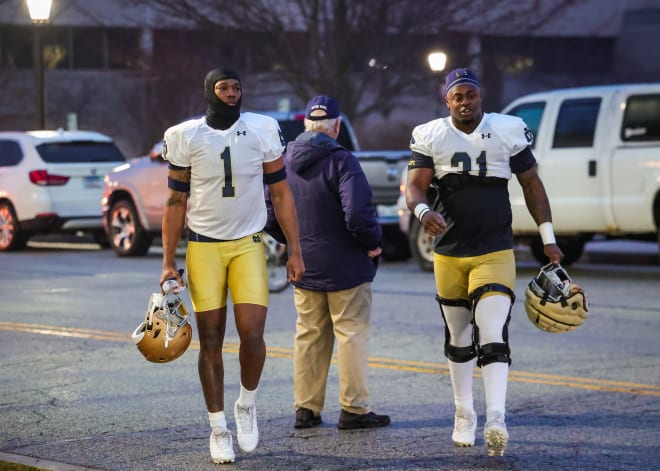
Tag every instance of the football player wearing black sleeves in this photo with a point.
(218, 167)
(468, 158)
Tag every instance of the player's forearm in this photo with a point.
(285, 212)
(536, 200)
(417, 185)
(174, 218)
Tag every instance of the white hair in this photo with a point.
(326, 126)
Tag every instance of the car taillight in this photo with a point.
(43, 178)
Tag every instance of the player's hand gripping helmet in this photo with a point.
(553, 302)
(165, 333)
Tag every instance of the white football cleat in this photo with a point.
(222, 447)
(247, 432)
(496, 436)
(465, 428)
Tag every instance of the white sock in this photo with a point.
(217, 421)
(490, 316)
(461, 382)
(458, 320)
(495, 384)
(246, 398)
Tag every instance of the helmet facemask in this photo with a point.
(552, 283)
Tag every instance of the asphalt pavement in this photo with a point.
(76, 395)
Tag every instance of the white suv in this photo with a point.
(52, 181)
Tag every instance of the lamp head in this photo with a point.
(39, 10)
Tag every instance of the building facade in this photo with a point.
(126, 69)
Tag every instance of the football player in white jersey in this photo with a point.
(218, 166)
(468, 158)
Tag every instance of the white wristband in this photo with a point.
(547, 233)
(420, 210)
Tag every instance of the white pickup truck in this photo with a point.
(598, 153)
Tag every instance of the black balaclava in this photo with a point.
(220, 115)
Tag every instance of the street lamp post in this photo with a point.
(39, 13)
(437, 62)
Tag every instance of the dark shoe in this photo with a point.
(305, 418)
(350, 421)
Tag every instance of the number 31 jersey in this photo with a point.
(226, 183)
(480, 208)
(487, 151)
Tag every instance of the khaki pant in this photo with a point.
(322, 317)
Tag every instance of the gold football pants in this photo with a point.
(237, 266)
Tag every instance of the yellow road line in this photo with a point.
(374, 362)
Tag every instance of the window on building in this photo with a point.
(70, 48)
(88, 48)
(576, 123)
(641, 120)
(531, 113)
(56, 47)
(16, 47)
(123, 48)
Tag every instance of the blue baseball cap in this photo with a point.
(322, 107)
(459, 77)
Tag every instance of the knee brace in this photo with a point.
(456, 354)
(492, 352)
(476, 295)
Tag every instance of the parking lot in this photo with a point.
(75, 390)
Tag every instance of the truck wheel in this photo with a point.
(127, 236)
(395, 244)
(11, 236)
(421, 245)
(573, 247)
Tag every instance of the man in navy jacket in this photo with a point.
(341, 240)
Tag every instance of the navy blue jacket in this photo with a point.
(336, 218)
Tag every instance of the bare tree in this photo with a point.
(366, 53)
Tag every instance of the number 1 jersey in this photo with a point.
(226, 185)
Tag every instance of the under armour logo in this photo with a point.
(238, 133)
(256, 239)
(484, 136)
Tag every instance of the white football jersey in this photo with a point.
(226, 185)
(485, 152)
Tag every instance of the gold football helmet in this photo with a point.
(165, 333)
(553, 302)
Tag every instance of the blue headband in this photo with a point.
(458, 77)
